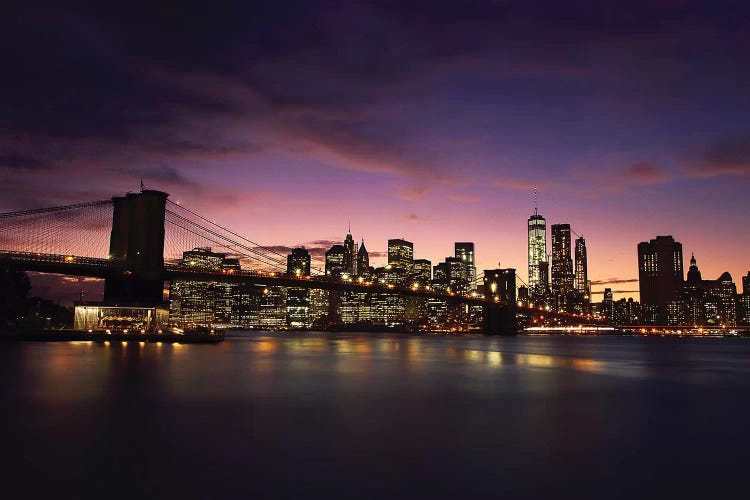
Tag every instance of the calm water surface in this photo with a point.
(378, 416)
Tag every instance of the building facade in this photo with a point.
(538, 265)
(465, 252)
(660, 276)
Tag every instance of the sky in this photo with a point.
(431, 121)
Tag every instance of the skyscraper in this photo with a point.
(538, 266)
(422, 272)
(363, 261)
(562, 264)
(350, 254)
(298, 299)
(582, 274)
(335, 261)
(298, 262)
(660, 275)
(465, 252)
(401, 254)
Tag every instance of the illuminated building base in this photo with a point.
(98, 317)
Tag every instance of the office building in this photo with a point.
(581, 279)
(298, 299)
(465, 252)
(538, 265)
(401, 254)
(298, 262)
(422, 272)
(660, 276)
(335, 261)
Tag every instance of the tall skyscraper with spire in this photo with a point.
(350, 254)
(537, 253)
(363, 261)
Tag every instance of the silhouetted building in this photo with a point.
(538, 266)
(746, 284)
(298, 262)
(660, 276)
(606, 310)
(581, 267)
(465, 252)
(702, 302)
(350, 255)
(363, 261)
(335, 261)
(562, 266)
(401, 254)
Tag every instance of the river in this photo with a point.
(291, 415)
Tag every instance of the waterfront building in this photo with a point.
(465, 252)
(743, 309)
(298, 299)
(702, 302)
(660, 276)
(201, 302)
(273, 312)
(626, 312)
(606, 310)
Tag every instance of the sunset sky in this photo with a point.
(430, 121)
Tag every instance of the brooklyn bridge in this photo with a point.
(135, 243)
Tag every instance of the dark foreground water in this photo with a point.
(379, 416)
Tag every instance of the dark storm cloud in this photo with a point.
(729, 156)
(159, 83)
(20, 161)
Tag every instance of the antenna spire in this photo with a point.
(536, 203)
(141, 184)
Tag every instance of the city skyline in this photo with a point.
(433, 126)
(65, 289)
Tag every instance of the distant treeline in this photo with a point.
(19, 311)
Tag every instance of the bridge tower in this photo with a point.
(137, 241)
(500, 318)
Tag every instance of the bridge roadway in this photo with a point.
(104, 268)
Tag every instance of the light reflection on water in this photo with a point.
(356, 407)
